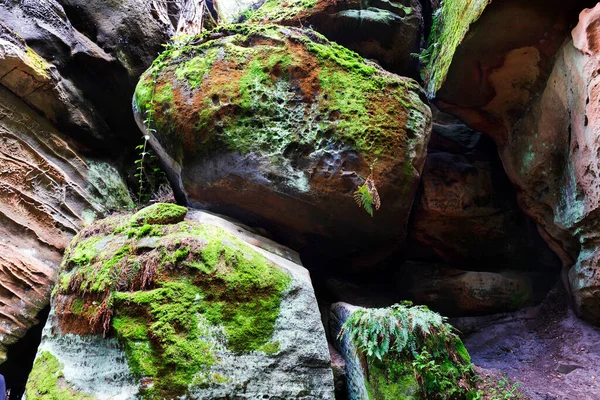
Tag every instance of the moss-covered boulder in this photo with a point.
(400, 353)
(199, 308)
(279, 127)
(386, 31)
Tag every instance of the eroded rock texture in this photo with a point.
(199, 308)
(47, 191)
(279, 127)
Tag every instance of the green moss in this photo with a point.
(45, 381)
(84, 252)
(159, 214)
(451, 24)
(394, 380)
(38, 64)
(276, 10)
(177, 351)
(196, 278)
(194, 70)
(77, 306)
(270, 348)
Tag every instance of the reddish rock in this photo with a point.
(466, 210)
(46, 191)
(25, 287)
(538, 101)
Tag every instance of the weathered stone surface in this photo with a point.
(388, 32)
(512, 80)
(24, 290)
(355, 376)
(87, 58)
(47, 190)
(466, 210)
(456, 292)
(278, 127)
(202, 308)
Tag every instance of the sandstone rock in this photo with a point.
(456, 292)
(467, 212)
(47, 190)
(388, 32)
(24, 290)
(512, 80)
(278, 127)
(87, 57)
(206, 310)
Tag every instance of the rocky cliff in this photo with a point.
(322, 153)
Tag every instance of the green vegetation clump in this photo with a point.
(411, 353)
(450, 25)
(285, 89)
(277, 11)
(45, 381)
(164, 289)
(159, 214)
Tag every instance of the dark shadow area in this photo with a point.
(20, 358)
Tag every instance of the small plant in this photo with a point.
(401, 337)
(366, 196)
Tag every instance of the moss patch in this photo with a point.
(159, 214)
(46, 381)
(276, 10)
(273, 90)
(450, 26)
(163, 290)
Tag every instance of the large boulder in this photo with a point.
(279, 127)
(155, 306)
(389, 32)
(47, 192)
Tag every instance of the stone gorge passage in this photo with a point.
(466, 131)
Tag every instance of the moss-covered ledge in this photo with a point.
(178, 296)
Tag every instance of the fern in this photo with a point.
(417, 337)
(366, 196)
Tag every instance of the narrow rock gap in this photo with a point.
(20, 357)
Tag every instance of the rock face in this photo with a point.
(466, 210)
(254, 122)
(200, 308)
(538, 105)
(47, 190)
(460, 292)
(388, 32)
(97, 52)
